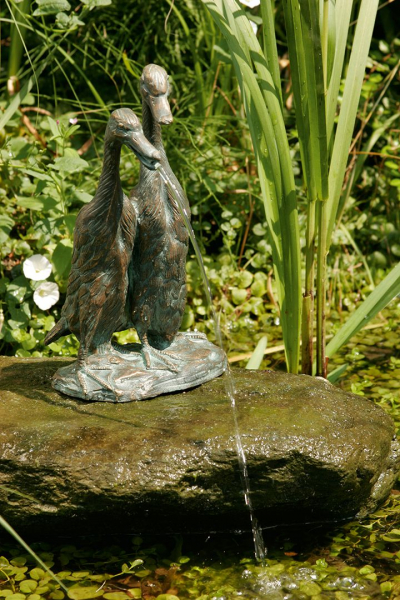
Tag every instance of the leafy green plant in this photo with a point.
(317, 36)
(209, 147)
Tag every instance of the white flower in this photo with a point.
(46, 295)
(254, 27)
(251, 3)
(37, 267)
(74, 121)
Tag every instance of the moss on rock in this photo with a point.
(314, 452)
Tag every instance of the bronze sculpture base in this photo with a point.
(121, 375)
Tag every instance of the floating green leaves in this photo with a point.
(28, 586)
(361, 556)
(85, 592)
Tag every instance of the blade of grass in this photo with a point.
(367, 147)
(342, 17)
(13, 106)
(22, 543)
(281, 347)
(85, 78)
(258, 354)
(348, 111)
(270, 47)
(335, 375)
(358, 252)
(12, 491)
(196, 63)
(388, 289)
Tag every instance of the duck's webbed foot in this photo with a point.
(192, 335)
(108, 350)
(150, 354)
(86, 375)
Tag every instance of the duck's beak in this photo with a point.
(160, 109)
(146, 153)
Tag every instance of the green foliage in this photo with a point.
(317, 35)
(44, 181)
(39, 219)
(266, 123)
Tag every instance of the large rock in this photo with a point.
(315, 453)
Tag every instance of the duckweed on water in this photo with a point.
(357, 560)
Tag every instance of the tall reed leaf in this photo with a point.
(258, 354)
(317, 34)
(348, 110)
(308, 52)
(17, 41)
(305, 53)
(329, 6)
(269, 41)
(376, 301)
(343, 10)
(264, 114)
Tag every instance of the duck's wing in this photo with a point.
(130, 226)
(84, 260)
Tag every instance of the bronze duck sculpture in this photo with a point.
(158, 269)
(96, 302)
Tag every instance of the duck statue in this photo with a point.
(96, 301)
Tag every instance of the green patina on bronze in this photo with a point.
(129, 270)
(315, 453)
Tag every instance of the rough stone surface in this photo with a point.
(315, 453)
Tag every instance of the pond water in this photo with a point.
(344, 561)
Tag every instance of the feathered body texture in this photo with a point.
(158, 269)
(96, 302)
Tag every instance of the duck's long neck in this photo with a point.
(152, 130)
(109, 196)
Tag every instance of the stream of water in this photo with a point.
(259, 547)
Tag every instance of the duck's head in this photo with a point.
(124, 126)
(154, 88)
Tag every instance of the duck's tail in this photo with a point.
(61, 328)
